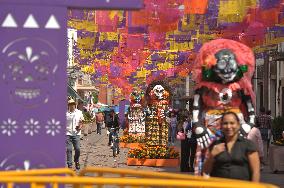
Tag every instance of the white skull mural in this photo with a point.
(29, 70)
(159, 91)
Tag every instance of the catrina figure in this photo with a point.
(136, 114)
(223, 70)
(158, 98)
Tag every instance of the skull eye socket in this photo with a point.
(233, 64)
(221, 64)
(42, 69)
(16, 68)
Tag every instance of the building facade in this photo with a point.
(269, 81)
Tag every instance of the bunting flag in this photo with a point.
(129, 49)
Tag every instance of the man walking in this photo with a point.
(100, 120)
(111, 122)
(74, 126)
(263, 122)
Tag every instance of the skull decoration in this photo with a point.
(26, 161)
(29, 70)
(226, 67)
(136, 98)
(225, 95)
(159, 91)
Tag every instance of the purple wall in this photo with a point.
(32, 82)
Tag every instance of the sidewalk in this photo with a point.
(95, 152)
(268, 176)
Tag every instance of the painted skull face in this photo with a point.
(29, 70)
(226, 67)
(159, 91)
(137, 96)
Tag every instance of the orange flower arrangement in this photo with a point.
(153, 152)
(210, 61)
(132, 138)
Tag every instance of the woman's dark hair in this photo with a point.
(228, 113)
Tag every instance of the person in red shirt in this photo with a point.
(100, 121)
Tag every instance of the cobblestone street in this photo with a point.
(95, 152)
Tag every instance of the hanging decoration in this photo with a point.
(129, 49)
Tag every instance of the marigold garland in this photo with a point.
(153, 152)
(132, 138)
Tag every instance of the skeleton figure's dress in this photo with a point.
(136, 119)
(227, 99)
(136, 114)
(157, 126)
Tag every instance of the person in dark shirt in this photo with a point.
(112, 122)
(232, 156)
(188, 146)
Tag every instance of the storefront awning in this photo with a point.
(71, 92)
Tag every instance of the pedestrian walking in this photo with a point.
(111, 122)
(73, 132)
(263, 123)
(188, 147)
(255, 136)
(100, 121)
(173, 126)
(270, 120)
(232, 156)
(124, 124)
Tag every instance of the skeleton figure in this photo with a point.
(223, 71)
(136, 115)
(159, 91)
(226, 67)
(156, 124)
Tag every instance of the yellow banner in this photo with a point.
(164, 66)
(83, 25)
(142, 73)
(86, 43)
(181, 46)
(112, 36)
(88, 69)
(234, 10)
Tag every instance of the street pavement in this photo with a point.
(96, 152)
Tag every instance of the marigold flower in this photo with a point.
(210, 61)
